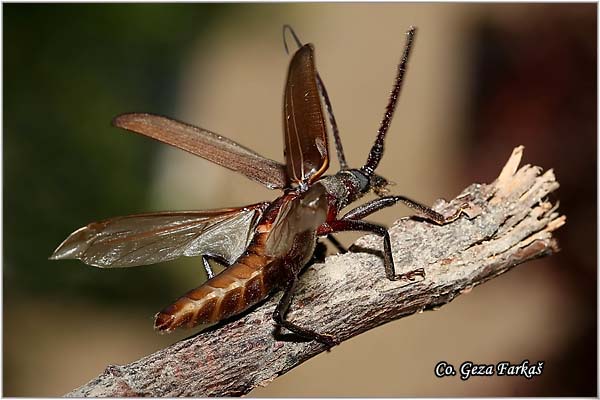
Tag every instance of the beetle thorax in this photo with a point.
(346, 186)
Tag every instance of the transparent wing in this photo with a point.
(154, 237)
(306, 148)
(208, 145)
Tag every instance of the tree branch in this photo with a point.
(510, 221)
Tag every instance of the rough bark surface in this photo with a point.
(509, 222)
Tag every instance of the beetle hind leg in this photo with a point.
(279, 318)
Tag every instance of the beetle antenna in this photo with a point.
(334, 128)
(298, 41)
(377, 150)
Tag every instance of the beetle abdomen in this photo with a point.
(240, 286)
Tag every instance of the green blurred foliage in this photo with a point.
(68, 70)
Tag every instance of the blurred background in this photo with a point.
(482, 80)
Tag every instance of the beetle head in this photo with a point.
(379, 185)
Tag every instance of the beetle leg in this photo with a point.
(388, 261)
(209, 271)
(281, 310)
(369, 208)
(321, 250)
(340, 247)
(319, 253)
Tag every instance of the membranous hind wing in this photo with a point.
(294, 229)
(306, 148)
(208, 145)
(154, 237)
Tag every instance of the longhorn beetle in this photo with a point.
(265, 245)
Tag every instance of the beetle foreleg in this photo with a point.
(373, 206)
(281, 310)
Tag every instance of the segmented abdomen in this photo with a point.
(249, 280)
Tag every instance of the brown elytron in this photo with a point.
(266, 245)
(306, 155)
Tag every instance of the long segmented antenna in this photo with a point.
(377, 150)
(298, 42)
(339, 149)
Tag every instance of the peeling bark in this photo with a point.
(509, 221)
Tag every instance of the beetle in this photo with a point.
(264, 246)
